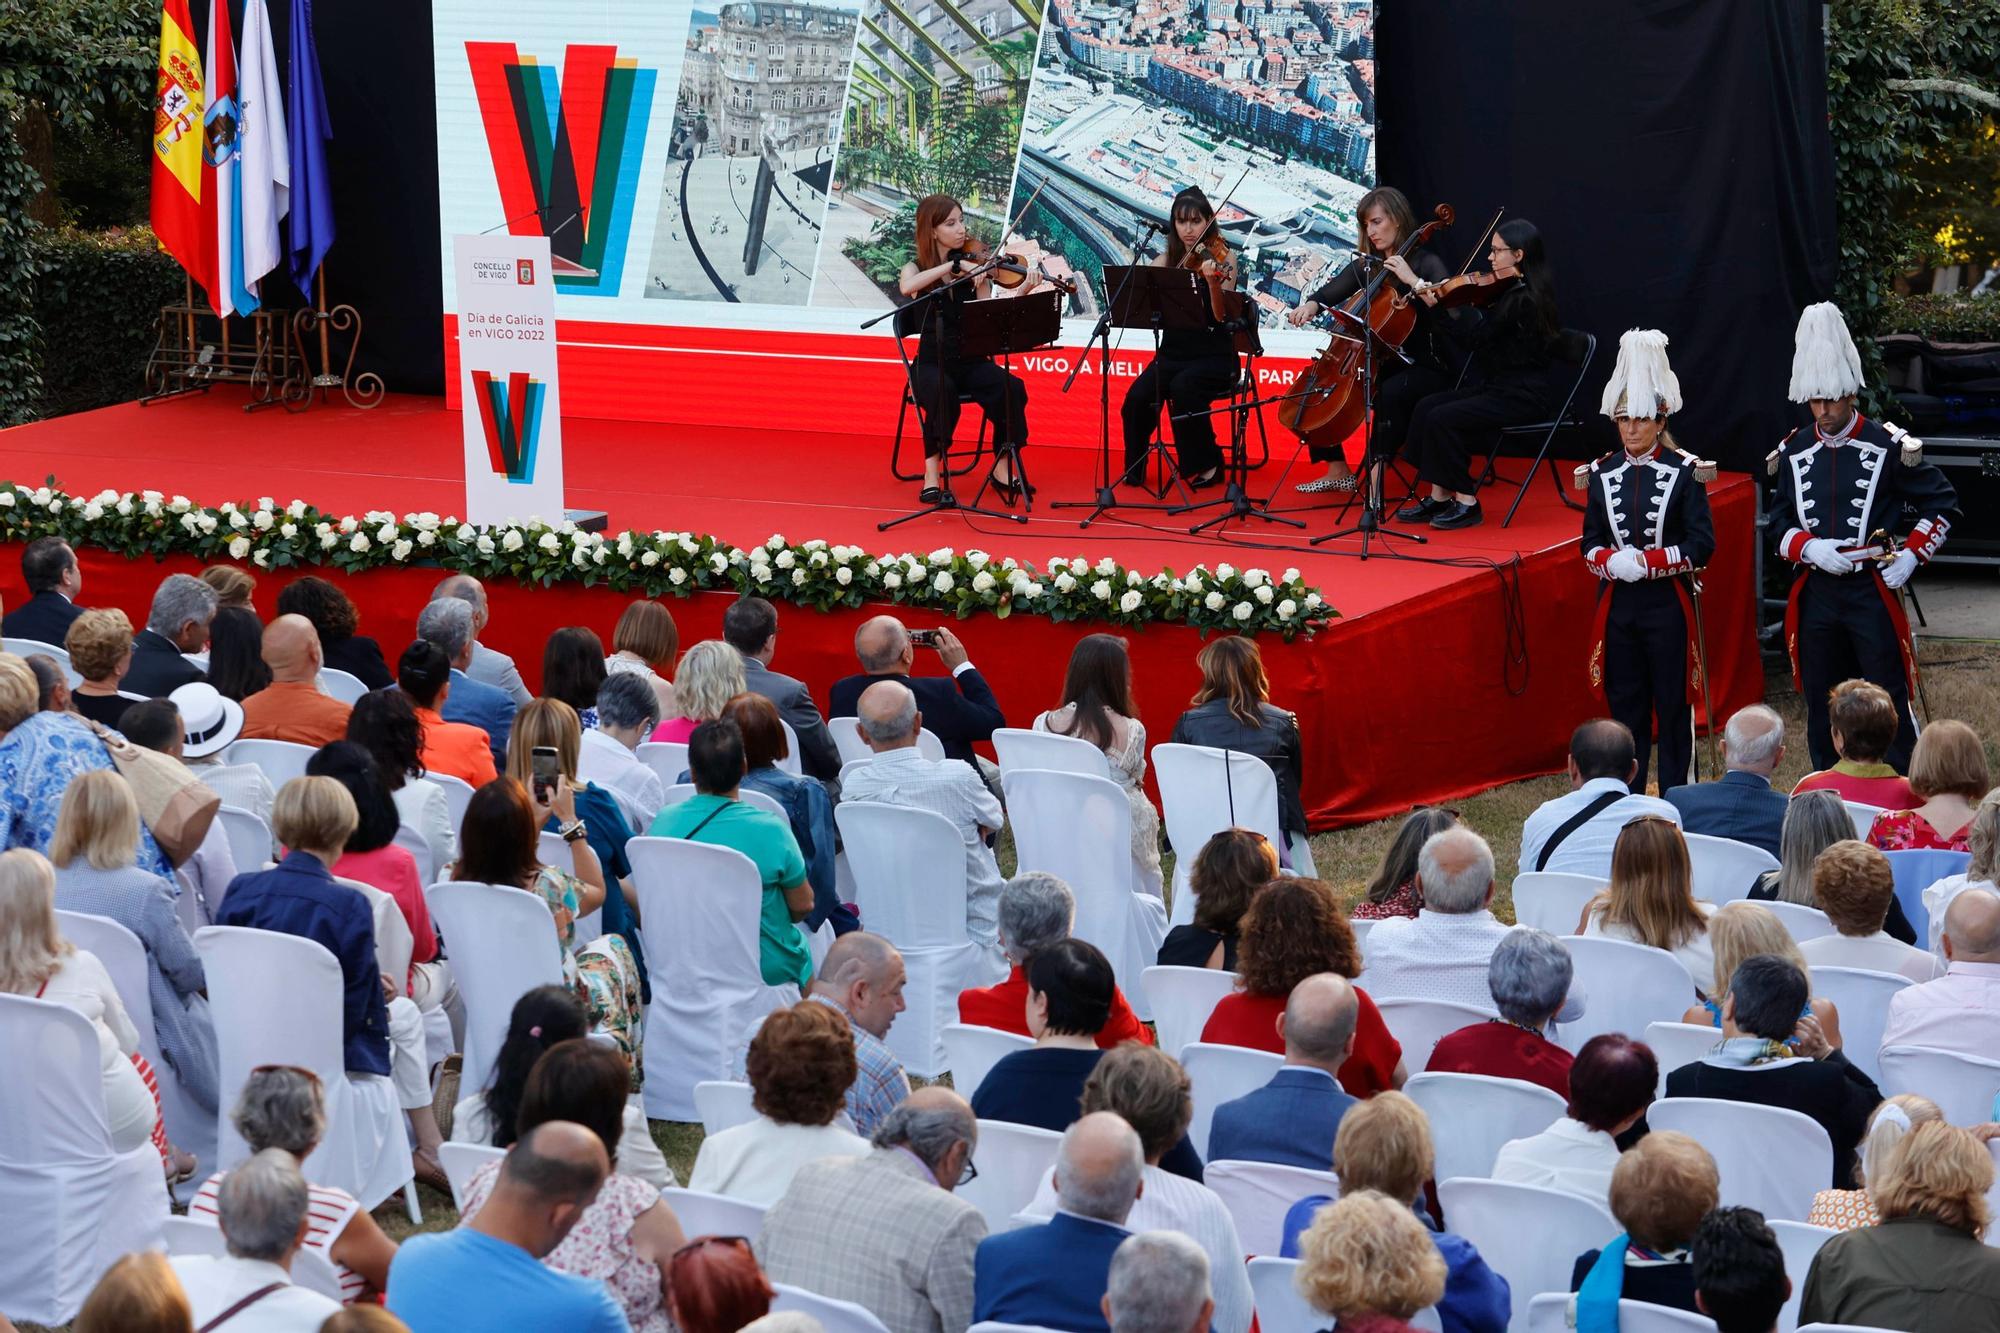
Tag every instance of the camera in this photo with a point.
(924, 638)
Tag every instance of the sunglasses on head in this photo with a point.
(699, 1242)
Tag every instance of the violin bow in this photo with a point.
(1498, 213)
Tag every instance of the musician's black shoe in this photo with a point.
(1422, 511)
(1208, 479)
(1458, 514)
(930, 495)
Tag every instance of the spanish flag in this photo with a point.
(177, 212)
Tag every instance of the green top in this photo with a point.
(767, 840)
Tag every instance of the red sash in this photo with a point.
(1695, 665)
(1899, 621)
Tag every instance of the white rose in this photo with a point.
(329, 539)
(843, 576)
(191, 522)
(1314, 601)
(1243, 611)
(426, 537)
(239, 547)
(426, 520)
(1255, 578)
(1101, 590)
(1192, 582)
(348, 524)
(817, 559)
(785, 560)
(816, 544)
(550, 542)
(718, 562)
(288, 530)
(1287, 609)
(983, 582)
(941, 556)
(261, 559)
(1133, 578)
(1131, 600)
(651, 558)
(691, 546)
(484, 544)
(93, 511)
(359, 543)
(1064, 583)
(1225, 571)
(1215, 601)
(237, 521)
(386, 533)
(6, 499)
(181, 504)
(977, 559)
(401, 550)
(1264, 593)
(297, 508)
(262, 520)
(676, 576)
(775, 542)
(892, 580)
(943, 582)
(124, 506)
(1107, 566)
(208, 523)
(799, 577)
(513, 541)
(465, 532)
(1034, 590)
(1079, 566)
(1292, 575)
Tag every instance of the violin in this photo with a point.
(1211, 249)
(1007, 268)
(1468, 290)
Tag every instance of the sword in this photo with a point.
(1701, 647)
(1883, 550)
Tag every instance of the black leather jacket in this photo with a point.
(1276, 742)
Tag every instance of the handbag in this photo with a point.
(175, 806)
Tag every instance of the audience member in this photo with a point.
(900, 775)
(1292, 1119)
(1982, 872)
(959, 708)
(1863, 720)
(452, 748)
(1610, 1086)
(1960, 1011)
(644, 644)
(626, 1233)
(1743, 930)
(1036, 910)
(1233, 711)
(263, 1209)
(801, 1064)
(202, 879)
(1739, 1271)
(55, 580)
(1924, 1269)
(94, 849)
(1814, 821)
(885, 1231)
(1660, 1191)
(486, 1276)
(1392, 890)
(804, 800)
(1740, 804)
(210, 724)
(1651, 899)
(234, 587)
(382, 1039)
(1293, 930)
(137, 1294)
(99, 644)
(627, 712)
(862, 975)
(573, 670)
(711, 675)
(489, 666)
(236, 665)
(1948, 776)
(1158, 1283)
(363, 1318)
(1576, 834)
(1362, 1262)
(750, 626)
(1753, 1064)
(292, 708)
(384, 723)
(1445, 951)
(716, 814)
(51, 683)
(178, 623)
(335, 620)
(1846, 1209)
(1097, 706)
(715, 1286)
(448, 623)
(285, 1108)
(1529, 979)
(1854, 886)
(1229, 870)
(1055, 1275)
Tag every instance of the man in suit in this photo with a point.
(449, 622)
(959, 709)
(1292, 1119)
(49, 568)
(1740, 804)
(1055, 1274)
(750, 626)
(885, 1231)
(489, 666)
(183, 606)
(1159, 1284)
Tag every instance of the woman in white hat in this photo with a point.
(210, 724)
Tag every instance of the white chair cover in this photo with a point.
(723, 1105)
(1549, 1313)
(1280, 1308)
(72, 1204)
(1963, 1086)
(1018, 747)
(847, 742)
(1011, 1160)
(1916, 871)
(1801, 922)
(461, 1162)
(1079, 829)
(995, 1326)
(1473, 1115)
(311, 1270)
(29, 647)
(1553, 901)
(1419, 1024)
(909, 882)
(1844, 1328)
(1769, 1158)
(790, 762)
(1800, 1242)
(1862, 997)
(971, 1052)
(676, 792)
(1200, 797)
(702, 952)
(502, 944)
(704, 1214)
(1724, 869)
(342, 685)
(1218, 1074)
(1677, 1044)
(418, 846)
(250, 842)
(457, 795)
(1527, 1234)
(281, 760)
(834, 1316)
(394, 945)
(1259, 1194)
(669, 759)
(1863, 817)
(1182, 999)
(1625, 988)
(277, 1000)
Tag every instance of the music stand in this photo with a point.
(1242, 405)
(1002, 326)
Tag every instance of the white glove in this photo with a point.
(1897, 572)
(1626, 565)
(1826, 555)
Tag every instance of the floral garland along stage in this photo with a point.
(814, 574)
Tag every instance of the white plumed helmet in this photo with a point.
(1642, 384)
(1824, 361)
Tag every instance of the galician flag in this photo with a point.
(224, 206)
(178, 105)
(265, 178)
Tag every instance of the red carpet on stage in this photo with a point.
(1437, 680)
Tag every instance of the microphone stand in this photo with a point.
(1106, 497)
(1370, 525)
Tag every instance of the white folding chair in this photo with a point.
(1677, 1044)
(1769, 1158)
(1259, 1194)
(1549, 1313)
(1916, 871)
(1553, 901)
(32, 647)
(1862, 997)
(677, 792)
(1800, 1241)
(1280, 1308)
(1418, 1025)
(723, 1105)
(1218, 1074)
(457, 795)
(1844, 1328)
(1182, 999)
(970, 1052)
(834, 1316)
(1529, 1235)
(1627, 986)
(342, 685)
(250, 841)
(461, 1162)
(88, 1203)
(1801, 922)
(847, 742)
(909, 882)
(1011, 1160)
(311, 1270)
(281, 760)
(418, 846)
(703, 1214)
(1018, 747)
(669, 759)
(1724, 869)
(1473, 1115)
(791, 762)
(1864, 819)
(1204, 790)
(503, 944)
(1362, 927)
(703, 955)
(1079, 829)
(1963, 1086)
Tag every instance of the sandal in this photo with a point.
(1343, 485)
(180, 1175)
(426, 1171)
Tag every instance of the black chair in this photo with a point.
(896, 454)
(1578, 348)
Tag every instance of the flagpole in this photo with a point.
(187, 326)
(325, 346)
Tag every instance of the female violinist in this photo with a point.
(1515, 346)
(940, 376)
(1386, 221)
(1194, 366)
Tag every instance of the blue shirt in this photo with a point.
(465, 1281)
(1476, 1299)
(487, 707)
(806, 804)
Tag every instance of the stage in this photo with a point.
(1438, 678)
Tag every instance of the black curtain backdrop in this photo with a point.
(1674, 154)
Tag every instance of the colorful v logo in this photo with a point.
(566, 157)
(512, 415)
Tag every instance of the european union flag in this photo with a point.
(311, 224)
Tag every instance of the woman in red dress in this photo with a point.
(1948, 773)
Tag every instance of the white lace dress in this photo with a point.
(1128, 769)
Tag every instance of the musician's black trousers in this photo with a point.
(1003, 397)
(1188, 386)
(1645, 675)
(1448, 428)
(1844, 633)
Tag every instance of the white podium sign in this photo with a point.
(507, 379)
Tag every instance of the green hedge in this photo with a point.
(97, 298)
(1953, 317)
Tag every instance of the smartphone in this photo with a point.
(546, 773)
(924, 638)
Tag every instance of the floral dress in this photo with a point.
(1128, 769)
(1403, 902)
(602, 971)
(37, 760)
(1906, 830)
(599, 1246)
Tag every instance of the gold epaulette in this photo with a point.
(1580, 478)
(1911, 447)
(1704, 469)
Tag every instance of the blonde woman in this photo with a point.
(1368, 1262)
(138, 1294)
(645, 642)
(711, 675)
(1743, 930)
(1949, 774)
(99, 644)
(1894, 1119)
(1983, 837)
(1651, 900)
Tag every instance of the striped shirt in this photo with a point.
(328, 1211)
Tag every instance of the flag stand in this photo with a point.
(362, 391)
(186, 359)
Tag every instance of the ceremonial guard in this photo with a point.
(1646, 533)
(1843, 484)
